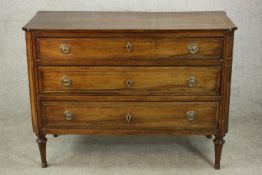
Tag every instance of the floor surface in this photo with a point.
(132, 155)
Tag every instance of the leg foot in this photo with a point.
(41, 140)
(55, 135)
(217, 166)
(44, 165)
(209, 136)
(218, 142)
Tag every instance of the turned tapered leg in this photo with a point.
(218, 142)
(41, 140)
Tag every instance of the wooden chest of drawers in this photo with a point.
(130, 73)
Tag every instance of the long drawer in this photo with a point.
(130, 80)
(130, 115)
(125, 48)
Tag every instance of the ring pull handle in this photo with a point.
(68, 115)
(128, 117)
(65, 48)
(192, 48)
(129, 47)
(191, 115)
(191, 81)
(66, 82)
(129, 83)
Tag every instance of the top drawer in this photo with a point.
(140, 49)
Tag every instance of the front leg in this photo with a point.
(41, 140)
(218, 142)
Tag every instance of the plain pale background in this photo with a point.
(246, 96)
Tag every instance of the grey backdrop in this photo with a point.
(242, 151)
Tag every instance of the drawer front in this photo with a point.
(130, 80)
(130, 115)
(124, 48)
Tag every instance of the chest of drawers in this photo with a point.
(130, 73)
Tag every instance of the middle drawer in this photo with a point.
(130, 80)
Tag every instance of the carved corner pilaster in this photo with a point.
(226, 82)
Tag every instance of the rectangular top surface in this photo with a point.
(80, 20)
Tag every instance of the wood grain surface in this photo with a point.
(100, 53)
(76, 20)
(144, 115)
(145, 80)
(115, 48)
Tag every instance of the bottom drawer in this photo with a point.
(130, 115)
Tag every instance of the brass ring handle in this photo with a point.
(191, 115)
(129, 83)
(192, 48)
(191, 81)
(129, 47)
(68, 115)
(128, 117)
(66, 82)
(65, 48)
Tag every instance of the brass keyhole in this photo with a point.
(128, 117)
(129, 83)
(129, 47)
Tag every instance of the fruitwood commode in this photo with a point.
(130, 73)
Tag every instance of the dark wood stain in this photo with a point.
(106, 49)
(75, 20)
